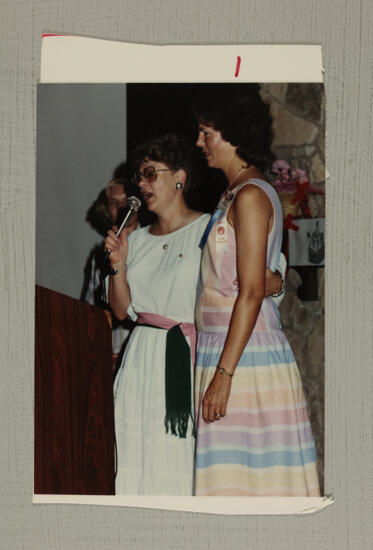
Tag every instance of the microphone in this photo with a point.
(133, 205)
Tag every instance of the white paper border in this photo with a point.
(78, 59)
(73, 59)
(211, 505)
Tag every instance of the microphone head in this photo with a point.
(133, 203)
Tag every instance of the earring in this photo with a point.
(179, 185)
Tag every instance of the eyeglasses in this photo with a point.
(150, 174)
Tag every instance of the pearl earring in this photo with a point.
(179, 185)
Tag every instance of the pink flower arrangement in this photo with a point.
(283, 182)
(288, 179)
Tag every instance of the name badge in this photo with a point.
(221, 232)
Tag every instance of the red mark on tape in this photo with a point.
(238, 65)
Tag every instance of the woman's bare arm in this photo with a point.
(252, 213)
(119, 292)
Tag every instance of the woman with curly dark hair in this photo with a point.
(254, 437)
(154, 282)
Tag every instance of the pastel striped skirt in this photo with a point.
(264, 445)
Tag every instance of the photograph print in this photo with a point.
(179, 339)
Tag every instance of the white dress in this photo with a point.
(162, 273)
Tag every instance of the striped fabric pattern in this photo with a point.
(264, 445)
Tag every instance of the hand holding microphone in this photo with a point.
(116, 243)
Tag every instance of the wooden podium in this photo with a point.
(74, 418)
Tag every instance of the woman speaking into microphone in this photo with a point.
(155, 273)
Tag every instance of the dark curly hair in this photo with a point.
(242, 118)
(175, 152)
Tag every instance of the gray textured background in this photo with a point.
(344, 29)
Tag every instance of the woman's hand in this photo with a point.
(273, 282)
(118, 247)
(214, 403)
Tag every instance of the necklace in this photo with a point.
(228, 192)
(236, 177)
(238, 174)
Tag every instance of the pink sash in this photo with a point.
(188, 329)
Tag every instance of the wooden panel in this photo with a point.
(74, 421)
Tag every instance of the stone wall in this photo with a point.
(298, 112)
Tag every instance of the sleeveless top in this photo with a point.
(218, 284)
